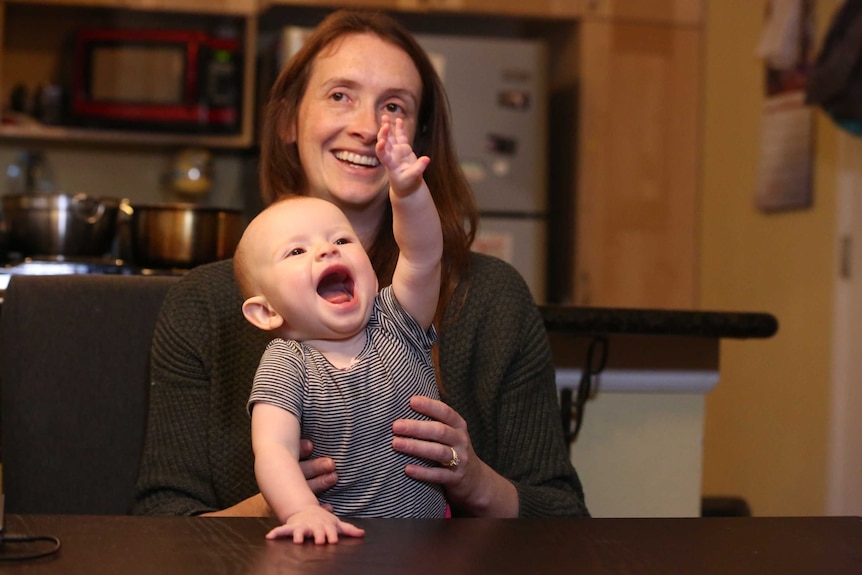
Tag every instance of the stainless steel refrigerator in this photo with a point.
(498, 96)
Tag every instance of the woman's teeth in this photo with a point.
(358, 159)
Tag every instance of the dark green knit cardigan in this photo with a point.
(495, 367)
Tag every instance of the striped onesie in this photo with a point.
(348, 413)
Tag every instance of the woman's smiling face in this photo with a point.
(353, 82)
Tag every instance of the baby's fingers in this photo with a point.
(350, 530)
(280, 531)
(415, 170)
(399, 133)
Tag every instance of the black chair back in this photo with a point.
(74, 384)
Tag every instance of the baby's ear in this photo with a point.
(259, 313)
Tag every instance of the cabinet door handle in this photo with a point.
(846, 254)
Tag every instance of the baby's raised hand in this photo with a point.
(396, 154)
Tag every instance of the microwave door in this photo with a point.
(138, 75)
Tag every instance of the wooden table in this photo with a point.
(189, 546)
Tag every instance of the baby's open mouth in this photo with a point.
(336, 287)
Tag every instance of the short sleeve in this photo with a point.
(280, 379)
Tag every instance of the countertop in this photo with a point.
(646, 350)
(632, 321)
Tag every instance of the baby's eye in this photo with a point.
(296, 252)
(342, 241)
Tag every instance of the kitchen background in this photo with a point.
(132, 173)
(498, 92)
(776, 432)
(782, 425)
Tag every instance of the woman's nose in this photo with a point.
(365, 124)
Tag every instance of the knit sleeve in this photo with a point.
(197, 454)
(532, 449)
(498, 374)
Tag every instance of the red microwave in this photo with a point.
(175, 80)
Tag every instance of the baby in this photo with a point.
(346, 359)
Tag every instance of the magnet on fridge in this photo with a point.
(501, 167)
(501, 144)
(474, 171)
(514, 99)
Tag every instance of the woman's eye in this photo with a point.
(338, 96)
(394, 108)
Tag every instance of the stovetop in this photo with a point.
(60, 265)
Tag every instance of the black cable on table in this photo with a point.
(5, 540)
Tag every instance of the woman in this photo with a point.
(499, 412)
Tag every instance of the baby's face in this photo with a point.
(312, 269)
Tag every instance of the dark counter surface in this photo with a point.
(632, 321)
(672, 546)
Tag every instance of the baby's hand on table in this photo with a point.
(316, 523)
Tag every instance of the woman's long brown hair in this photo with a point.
(281, 171)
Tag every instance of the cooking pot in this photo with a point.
(60, 224)
(181, 235)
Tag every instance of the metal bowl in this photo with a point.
(180, 235)
(60, 224)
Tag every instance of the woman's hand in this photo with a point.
(470, 484)
(319, 472)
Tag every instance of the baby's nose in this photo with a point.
(326, 250)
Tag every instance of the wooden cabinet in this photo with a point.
(233, 7)
(33, 60)
(669, 11)
(531, 8)
(537, 8)
(228, 7)
(266, 5)
(638, 182)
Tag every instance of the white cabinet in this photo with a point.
(639, 452)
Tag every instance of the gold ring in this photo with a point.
(453, 463)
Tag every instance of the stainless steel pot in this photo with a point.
(180, 235)
(60, 224)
